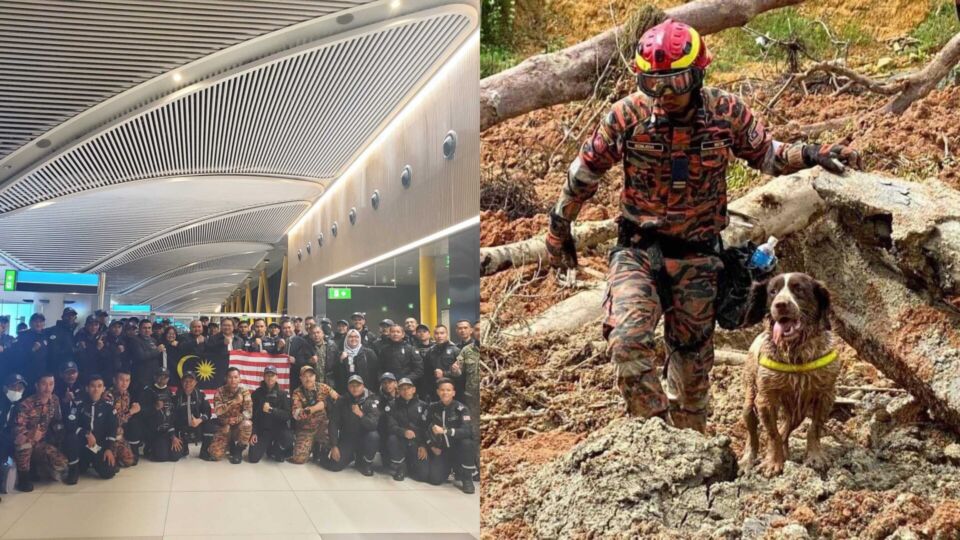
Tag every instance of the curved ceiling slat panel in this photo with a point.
(269, 120)
(193, 289)
(151, 293)
(60, 57)
(77, 239)
(130, 277)
(265, 225)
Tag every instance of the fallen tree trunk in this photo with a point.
(571, 74)
(924, 81)
(499, 258)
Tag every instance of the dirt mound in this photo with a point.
(632, 474)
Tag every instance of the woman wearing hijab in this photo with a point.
(355, 359)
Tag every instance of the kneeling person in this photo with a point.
(311, 422)
(156, 404)
(271, 419)
(407, 439)
(129, 420)
(234, 409)
(353, 429)
(452, 443)
(191, 417)
(37, 428)
(96, 432)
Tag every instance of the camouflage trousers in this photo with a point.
(45, 457)
(633, 309)
(225, 434)
(312, 430)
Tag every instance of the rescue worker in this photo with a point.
(38, 435)
(31, 350)
(451, 438)
(114, 351)
(103, 318)
(468, 364)
(274, 330)
(439, 362)
(156, 405)
(308, 323)
(341, 333)
(60, 339)
(400, 358)
(192, 417)
(297, 326)
(353, 429)
(311, 402)
(222, 342)
(423, 340)
(410, 330)
(354, 359)
(96, 432)
(407, 438)
(675, 139)
(129, 420)
(146, 356)
(464, 333)
(327, 326)
(243, 332)
(90, 347)
(312, 349)
(14, 385)
(384, 337)
(234, 409)
(388, 394)
(68, 388)
(359, 322)
(271, 420)
(260, 341)
(194, 342)
(7, 360)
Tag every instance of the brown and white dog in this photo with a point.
(791, 370)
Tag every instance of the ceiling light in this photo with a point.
(42, 204)
(177, 77)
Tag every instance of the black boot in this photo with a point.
(135, 448)
(23, 482)
(364, 467)
(205, 449)
(398, 472)
(236, 453)
(73, 474)
(466, 482)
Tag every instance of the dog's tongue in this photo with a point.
(777, 332)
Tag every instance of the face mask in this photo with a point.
(13, 395)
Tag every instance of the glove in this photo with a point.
(832, 158)
(561, 250)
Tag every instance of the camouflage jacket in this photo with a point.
(469, 360)
(231, 405)
(121, 404)
(303, 398)
(35, 418)
(675, 172)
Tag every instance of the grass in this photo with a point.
(494, 59)
(741, 178)
(940, 25)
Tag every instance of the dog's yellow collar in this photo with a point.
(823, 361)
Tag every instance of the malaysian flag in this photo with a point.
(251, 366)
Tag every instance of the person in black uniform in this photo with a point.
(191, 417)
(219, 346)
(341, 333)
(400, 358)
(61, 340)
(422, 340)
(114, 351)
(410, 330)
(243, 332)
(90, 347)
(193, 342)
(451, 438)
(271, 420)
(353, 429)
(327, 326)
(14, 385)
(68, 388)
(438, 364)
(388, 394)
(359, 322)
(145, 355)
(156, 406)
(6, 348)
(31, 350)
(96, 432)
(407, 439)
(383, 337)
(261, 341)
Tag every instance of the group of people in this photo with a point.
(98, 397)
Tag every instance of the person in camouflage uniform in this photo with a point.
(130, 430)
(38, 426)
(468, 363)
(234, 408)
(310, 414)
(675, 139)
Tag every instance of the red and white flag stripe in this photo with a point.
(251, 365)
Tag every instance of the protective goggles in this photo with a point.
(678, 82)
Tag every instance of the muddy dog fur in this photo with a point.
(796, 310)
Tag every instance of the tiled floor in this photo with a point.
(194, 499)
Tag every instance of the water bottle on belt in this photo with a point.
(763, 258)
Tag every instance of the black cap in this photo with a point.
(116, 322)
(92, 319)
(270, 369)
(68, 311)
(386, 322)
(423, 327)
(101, 313)
(4, 319)
(358, 315)
(325, 321)
(387, 376)
(273, 325)
(188, 375)
(14, 378)
(355, 378)
(404, 381)
(343, 321)
(160, 371)
(70, 365)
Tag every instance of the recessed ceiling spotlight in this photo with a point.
(395, 4)
(177, 77)
(43, 143)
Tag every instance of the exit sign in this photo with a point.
(342, 293)
(10, 280)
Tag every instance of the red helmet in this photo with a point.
(670, 45)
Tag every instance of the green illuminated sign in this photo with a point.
(448, 301)
(335, 293)
(10, 280)
(409, 306)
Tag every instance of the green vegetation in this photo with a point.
(496, 36)
(741, 178)
(495, 59)
(940, 25)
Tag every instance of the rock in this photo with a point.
(903, 533)
(884, 63)
(628, 473)
(793, 531)
(952, 453)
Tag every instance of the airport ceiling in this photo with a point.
(172, 144)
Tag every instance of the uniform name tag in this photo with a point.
(646, 146)
(714, 145)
